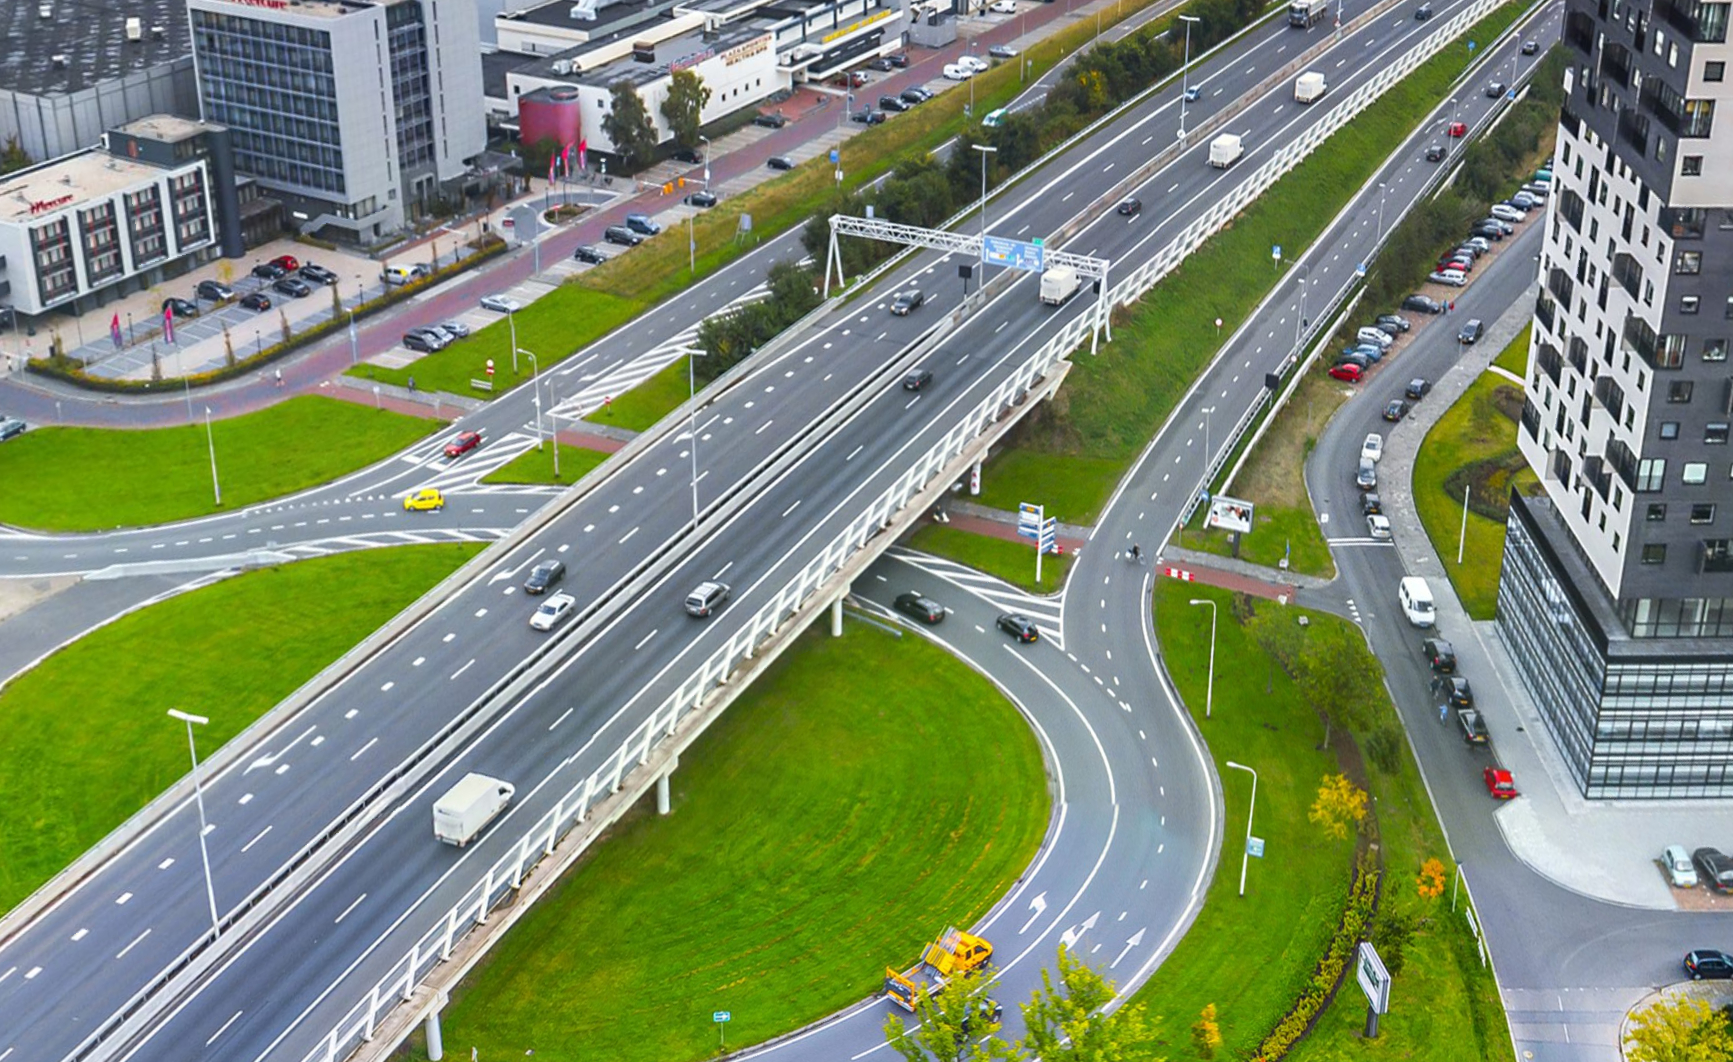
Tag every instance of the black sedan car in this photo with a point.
(917, 379)
(544, 575)
(1715, 868)
(1018, 626)
(1417, 388)
(318, 274)
(269, 271)
(1395, 410)
(907, 301)
(181, 307)
(770, 121)
(780, 162)
(702, 199)
(589, 255)
(1708, 963)
(1440, 656)
(294, 287)
(1130, 207)
(1435, 153)
(1453, 690)
(924, 609)
(894, 103)
(258, 300)
(1371, 504)
(214, 291)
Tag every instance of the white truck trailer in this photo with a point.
(1225, 150)
(1059, 283)
(1309, 86)
(1305, 13)
(467, 807)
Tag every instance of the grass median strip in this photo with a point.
(537, 466)
(93, 479)
(1112, 404)
(867, 792)
(87, 740)
(1473, 448)
(1447, 1006)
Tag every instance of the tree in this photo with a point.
(627, 124)
(1206, 1034)
(959, 1024)
(1430, 884)
(1070, 1024)
(1339, 803)
(13, 156)
(1340, 677)
(1679, 1028)
(684, 106)
(1391, 932)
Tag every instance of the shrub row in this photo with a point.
(1356, 918)
(61, 367)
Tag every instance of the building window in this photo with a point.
(1696, 472)
(1703, 513)
(1691, 166)
(1715, 434)
(1669, 429)
(1688, 263)
(1651, 475)
(1657, 512)
(1715, 349)
(1689, 303)
(1679, 392)
(1654, 553)
(1714, 70)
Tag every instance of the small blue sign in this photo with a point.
(835, 156)
(721, 1016)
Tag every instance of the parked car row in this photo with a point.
(428, 339)
(1709, 867)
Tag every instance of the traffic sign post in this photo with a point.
(721, 1018)
(1032, 523)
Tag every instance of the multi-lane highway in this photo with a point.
(280, 994)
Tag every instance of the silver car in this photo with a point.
(1676, 862)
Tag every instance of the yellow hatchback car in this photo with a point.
(424, 499)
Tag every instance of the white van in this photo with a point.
(397, 274)
(996, 118)
(1416, 601)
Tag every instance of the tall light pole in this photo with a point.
(1300, 321)
(692, 427)
(511, 323)
(1184, 70)
(985, 150)
(1210, 685)
(199, 796)
(536, 390)
(554, 425)
(1206, 454)
(211, 441)
(706, 140)
(1383, 189)
(1246, 853)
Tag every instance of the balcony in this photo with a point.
(1640, 337)
(1531, 419)
(1620, 459)
(1716, 556)
(1702, 23)
(1560, 284)
(1597, 475)
(1684, 223)
(1578, 353)
(1559, 466)
(1547, 357)
(1611, 397)
(1628, 273)
(1616, 64)
(1634, 130)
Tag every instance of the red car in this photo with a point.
(287, 261)
(1458, 129)
(463, 444)
(1348, 372)
(1499, 783)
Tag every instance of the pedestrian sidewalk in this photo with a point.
(1603, 849)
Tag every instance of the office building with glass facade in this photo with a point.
(1616, 598)
(354, 113)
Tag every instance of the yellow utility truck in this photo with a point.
(955, 952)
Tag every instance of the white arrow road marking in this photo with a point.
(1070, 936)
(1136, 939)
(1038, 904)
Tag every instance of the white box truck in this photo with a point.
(1059, 283)
(1305, 13)
(467, 807)
(1225, 150)
(1309, 86)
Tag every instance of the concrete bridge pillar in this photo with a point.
(662, 800)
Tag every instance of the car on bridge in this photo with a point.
(924, 609)
(427, 499)
(544, 575)
(1457, 129)
(1530, 47)
(553, 610)
(1435, 153)
(1499, 784)
(908, 300)
(1018, 626)
(1130, 207)
(917, 379)
(463, 444)
(1192, 93)
(706, 598)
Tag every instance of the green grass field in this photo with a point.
(554, 327)
(1013, 562)
(1277, 532)
(1112, 404)
(640, 408)
(537, 466)
(93, 479)
(1447, 1007)
(866, 793)
(1514, 358)
(87, 741)
(1474, 430)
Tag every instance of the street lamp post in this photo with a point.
(211, 441)
(692, 427)
(1383, 190)
(1300, 321)
(199, 795)
(536, 390)
(1209, 685)
(1184, 71)
(1206, 454)
(554, 426)
(706, 140)
(1246, 854)
(354, 342)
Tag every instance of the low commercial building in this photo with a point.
(87, 228)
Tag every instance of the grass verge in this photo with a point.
(1473, 446)
(811, 844)
(76, 767)
(640, 408)
(1013, 562)
(537, 466)
(1448, 1005)
(1514, 358)
(1110, 405)
(92, 479)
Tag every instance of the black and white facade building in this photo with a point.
(1616, 597)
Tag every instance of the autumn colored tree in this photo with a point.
(1206, 1035)
(1340, 802)
(1431, 880)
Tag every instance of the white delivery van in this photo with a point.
(1416, 599)
(1059, 283)
(467, 807)
(1309, 86)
